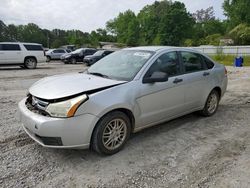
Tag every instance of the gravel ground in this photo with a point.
(190, 151)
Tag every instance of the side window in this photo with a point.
(192, 62)
(61, 51)
(208, 62)
(167, 63)
(1, 47)
(92, 51)
(31, 47)
(11, 47)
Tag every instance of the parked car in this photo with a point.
(54, 54)
(77, 55)
(124, 92)
(91, 59)
(26, 55)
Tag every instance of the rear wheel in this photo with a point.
(211, 105)
(111, 133)
(30, 63)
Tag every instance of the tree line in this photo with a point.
(161, 23)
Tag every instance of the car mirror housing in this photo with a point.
(156, 77)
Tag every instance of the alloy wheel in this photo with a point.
(114, 134)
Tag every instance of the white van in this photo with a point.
(26, 55)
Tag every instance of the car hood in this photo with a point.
(65, 85)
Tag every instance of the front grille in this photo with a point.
(37, 105)
(51, 141)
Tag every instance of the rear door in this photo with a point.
(195, 76)
(58, 53)
(35, 50)
(10, 54)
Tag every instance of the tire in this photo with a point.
(211, 105)
(73, 61)
(105, 139)
(30, 63)
(48, 59)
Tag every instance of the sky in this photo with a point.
(85, 15)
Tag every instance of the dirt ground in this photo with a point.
(190, 151)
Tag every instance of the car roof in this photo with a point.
(160, 48)
(149, 48)
(20, 43)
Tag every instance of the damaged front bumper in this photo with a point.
(52, 132)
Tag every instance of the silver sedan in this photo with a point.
(123, 93)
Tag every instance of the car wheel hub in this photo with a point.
(212, 103)
(114, 134)
(30, 63)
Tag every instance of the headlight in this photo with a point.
(66, 108)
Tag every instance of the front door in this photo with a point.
(163, 100)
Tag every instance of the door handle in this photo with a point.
(206, 73)
(177, 80)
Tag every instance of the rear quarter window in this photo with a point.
(31, 47)
(208, 62)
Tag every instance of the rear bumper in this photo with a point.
(51, 132)
(41, 59)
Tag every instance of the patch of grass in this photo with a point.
(228, 60)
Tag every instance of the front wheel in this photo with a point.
(30, 63)
(48, 59)
(211, 105)
(111, 133)
(73, 61)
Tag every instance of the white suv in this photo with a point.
(24, 54)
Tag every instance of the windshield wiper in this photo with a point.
(98, 74)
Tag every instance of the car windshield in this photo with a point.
(77, 51)
(121, 65)
(100, 52)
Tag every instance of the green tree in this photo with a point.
(207, 27)
(175, 25)
(237, 11)
(125, 27)
(213, 39)
(32, 33)
(204, 15)
(241, 34)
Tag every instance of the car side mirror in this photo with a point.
(156, 77)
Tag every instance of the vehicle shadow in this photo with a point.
(138, 138)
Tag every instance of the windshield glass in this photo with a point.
(121, 65)
(100, 52)
(77, 51)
